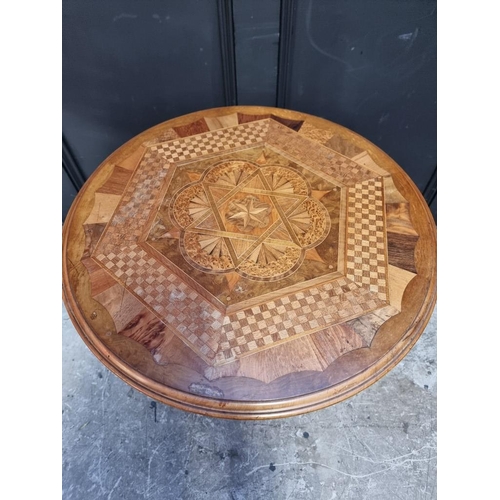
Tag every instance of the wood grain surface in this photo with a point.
(249, 262)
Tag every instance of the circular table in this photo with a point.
(249, 262)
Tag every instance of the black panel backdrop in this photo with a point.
(128, 65)
(369, 65)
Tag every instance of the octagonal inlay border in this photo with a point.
(221, 338)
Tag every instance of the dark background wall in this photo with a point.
(369, 65)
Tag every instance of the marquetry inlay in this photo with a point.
(239, 247)
(253, 219)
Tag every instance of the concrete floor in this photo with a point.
(117, 443)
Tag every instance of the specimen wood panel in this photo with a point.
(249, 262)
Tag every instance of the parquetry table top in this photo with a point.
(249, 262)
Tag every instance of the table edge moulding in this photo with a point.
(249, 262)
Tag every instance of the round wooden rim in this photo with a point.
(238, 409)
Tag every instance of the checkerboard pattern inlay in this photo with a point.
(217, 141)
(366, 249)
(220, 338)
(345, 171)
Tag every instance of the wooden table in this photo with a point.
(249, 262)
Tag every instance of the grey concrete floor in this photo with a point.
(118, 443)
